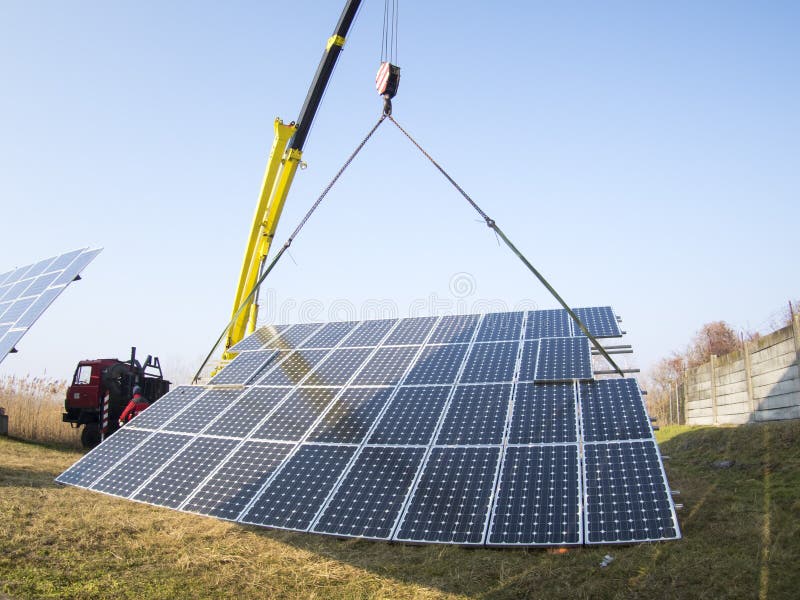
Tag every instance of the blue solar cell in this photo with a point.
(137, 467)
(497, 327)
(477, 415)
(183, 474)
(263, 337)
(538, 500)
(530, 354)
(339, 366)
(243, 368)
(247, 412)
(613, 409)
(548, 323)
(387, 366)
(351, 417)
(293, 369)
(166, 407)
(329, 335)
(564, 359)
(369, 333)
(451, 501)
(411, 417)
(297, 492)
(437, 364)
(599, 320)
(369, 499)
(454, 329)
(228, 491)
(102, 458)
(626, 494)
(201, 412)
(411, 331)
(297, 334)
(544, 414)
(295, 415)
(491, 362)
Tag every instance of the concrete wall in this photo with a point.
(760, 382)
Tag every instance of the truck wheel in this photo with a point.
(90, 436)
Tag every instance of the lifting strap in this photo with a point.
(489, 222)
(288, 243)
(496, 228)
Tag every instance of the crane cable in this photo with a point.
(288, 243)
(496, 228)
(389, 37)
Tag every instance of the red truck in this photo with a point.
(111, 377)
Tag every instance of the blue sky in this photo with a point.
(642, 155)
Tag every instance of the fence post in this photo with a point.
(686, 395)
(748, 376)
(713, 363)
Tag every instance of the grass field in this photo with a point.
(740, 527)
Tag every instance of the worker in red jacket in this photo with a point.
(137, 404)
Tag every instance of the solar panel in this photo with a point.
(412, 416)
(613, 409)
(437, 364)
(179, 478)
(548, 323)
(564, 359)
(368, 501)
(352, 416)
(293, 369)
(243, 368)
(140, 464)
(599, 320)
(263, 337)
(491, 362)
(451, 501)
(459, 430)
(539, 497)
(228, 490)
(26, 292)
(627, 497)
(477, 415)
(544, 414)
(500, 326)
(295, 495)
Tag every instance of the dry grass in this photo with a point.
(741, 540)
(34, 406)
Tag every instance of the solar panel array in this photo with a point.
(472, 430)
(25, 292)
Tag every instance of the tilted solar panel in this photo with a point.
(474, 430)
(26, 292)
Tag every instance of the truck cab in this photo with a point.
(94, 380)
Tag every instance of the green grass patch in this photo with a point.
(740, 527)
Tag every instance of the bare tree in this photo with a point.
(713, 338)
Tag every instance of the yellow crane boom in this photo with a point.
(284, 158)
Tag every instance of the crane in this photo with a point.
(284, 158)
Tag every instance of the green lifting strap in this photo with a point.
(493, 225)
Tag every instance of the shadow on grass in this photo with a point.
(26, 477)
(740, 528)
